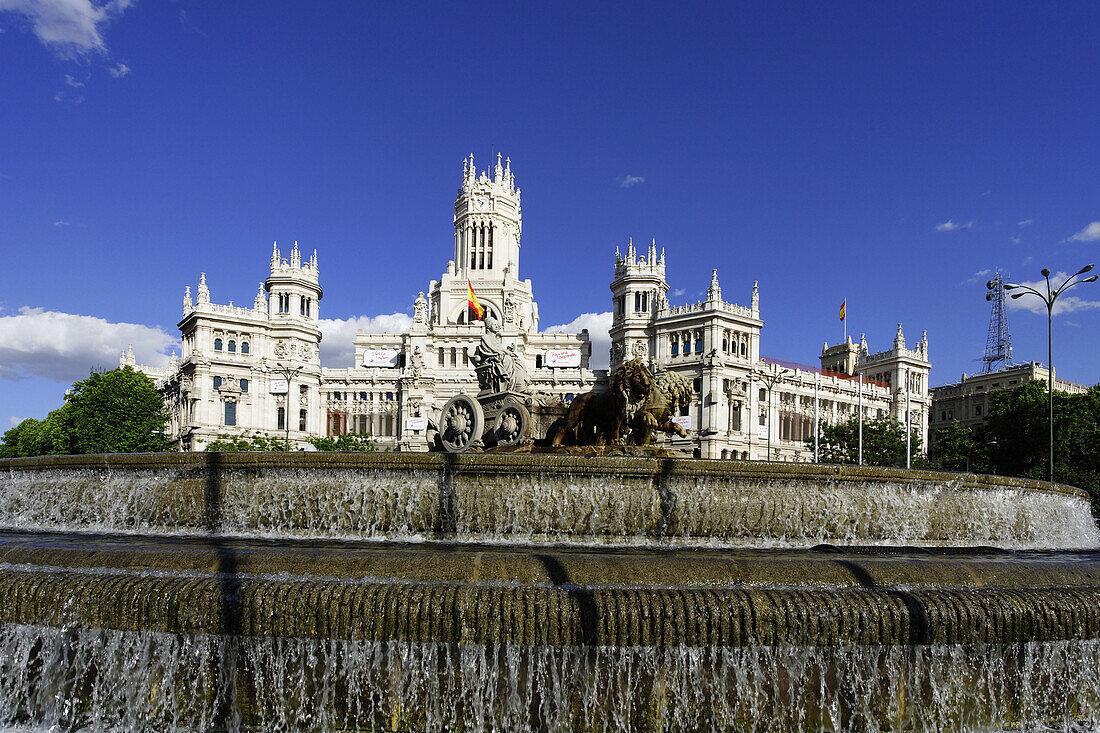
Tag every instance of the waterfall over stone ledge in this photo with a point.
(497, 592)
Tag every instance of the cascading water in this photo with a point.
(540, 593)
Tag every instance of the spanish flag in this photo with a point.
(471, 301)
(843, 304)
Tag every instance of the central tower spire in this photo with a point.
(487, 223)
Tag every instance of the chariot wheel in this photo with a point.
(511, 424)
(461, 423)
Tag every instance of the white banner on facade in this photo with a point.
(278, 386)
(683, 421)
(762, 431)
(380, 357)
(416, 423)
(563, 358)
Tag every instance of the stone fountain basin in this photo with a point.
(447, 592)
(545, 499)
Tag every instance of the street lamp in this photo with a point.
(771, 380)
(288, 373)
(1049, 298)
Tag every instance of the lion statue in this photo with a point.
(633, 407)
(670, 393)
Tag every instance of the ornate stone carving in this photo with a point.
(498, 369)
(420, 309)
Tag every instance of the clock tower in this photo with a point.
(488, 224)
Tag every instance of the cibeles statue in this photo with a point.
(498, 369)
(498, 415)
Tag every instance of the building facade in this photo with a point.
(747, 406)
(258, 370)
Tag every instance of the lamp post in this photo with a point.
(288, 373)
(771, 380)
(1049, 298)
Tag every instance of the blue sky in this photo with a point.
(887, 153)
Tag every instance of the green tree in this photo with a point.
(246, 442)
(883, 442)
(959, 448)
(1017, 433)
(350, 442)
(118, 411)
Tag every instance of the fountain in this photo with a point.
(540, 592)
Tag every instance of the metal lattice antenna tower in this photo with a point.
(998, 344)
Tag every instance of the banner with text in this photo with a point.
(380, 357)
(563, 357)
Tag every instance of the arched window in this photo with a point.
(244, 385)
(217, 344)
(244, 347)
(232, 346)
(217, 382)
(675, 347)
(742, 348)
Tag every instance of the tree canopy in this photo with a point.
(118, 411)
(883, 442)
(1014, 439)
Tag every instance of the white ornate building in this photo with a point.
(232, 376)
(716, 344)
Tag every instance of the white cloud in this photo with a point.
(73, 82)
(119, 70)
(598, 325)
(61, 223)
(628, 181)
(979, 276)
(1089, 234)
(15, 420)
(1016, 239)
(1065, 303)
(950, 226)
(65, 346)
(69, 28)
(1025, 222)
(678, 292)
(338, 335)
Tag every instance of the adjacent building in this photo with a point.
(967, 400)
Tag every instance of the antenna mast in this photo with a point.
(998, 344)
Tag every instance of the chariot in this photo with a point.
(490, 419)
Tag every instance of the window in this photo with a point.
(698, 343)
(230, 413)
(363, 396)
(244, 347)
(217, 382)
(697, 385)
(282, 418)
(977, 410)
(742, 348)
(675, 348)
(389, 396)
(244, 385)
(763, 394)
(1011, 382)
(302, 420)
(538, 361)
(217, 344)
